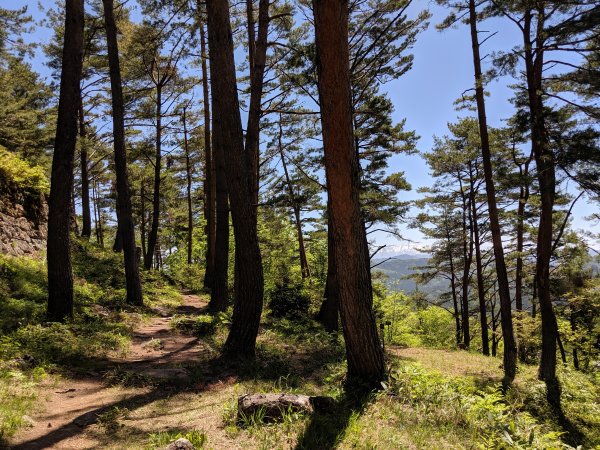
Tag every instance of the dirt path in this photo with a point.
(68, 406)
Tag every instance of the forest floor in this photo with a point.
(120, 377)
(70, 411)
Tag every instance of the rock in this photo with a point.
(26, 362)
(28, 421)
(275, 405)
(180, 444)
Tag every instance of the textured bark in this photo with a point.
(60, 276)
(363, 348)
(143, 218)
(127, 229)
(248, 286)
(510, 346)
(210, 177)
(453, 287)
(257, 55)
(86, 216)
(544, 160)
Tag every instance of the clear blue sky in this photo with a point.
(442, 71)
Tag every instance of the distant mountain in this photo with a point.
(397, 269)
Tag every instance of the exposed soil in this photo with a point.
(69, 407)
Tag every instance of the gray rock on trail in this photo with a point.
(180, 444)
(275, 406)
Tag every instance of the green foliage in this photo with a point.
(23, 175)
(109, 419)
(288, 300)
(161, 439)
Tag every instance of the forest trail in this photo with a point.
(67, 406)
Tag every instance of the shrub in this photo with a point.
(288, 300)
(196, 325)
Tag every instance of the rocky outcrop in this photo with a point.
(23, 220)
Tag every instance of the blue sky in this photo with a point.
(442, 71)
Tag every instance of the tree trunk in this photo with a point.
(248, 303)
(467, 260)
(132, 274)
(143, 218)
(86, 216)
(60, 276)
(363, 347)
(210, 177)
(257, 55)
(153, 236)
(523, 198)
(457, 314)
(329, 312)
(296, 209)
(188, 175)
(485, 339)
(510, 346)
(544, 160)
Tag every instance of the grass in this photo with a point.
(434, 398)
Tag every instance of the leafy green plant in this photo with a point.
(288, 300)
(163, 438)
(200, 325)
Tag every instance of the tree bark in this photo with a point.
(510, 346)
(60, 276)
(363, 347)
(467, 261)
(257, 55)
(86, 216)
(127, 230)
(210, 177)
(248, 286)
(329, 311)
(544, 159)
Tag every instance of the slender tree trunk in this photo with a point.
(363, 347)
(467, 259)
(188, 174)
(523, 198)
(86, 228)
(329, 312)
(544, 159)
(74, 224)
(210, 177)
(257, 55)
(95, 210)
(485, 339)
(60, 276)
(143, 218)
(296, 208)
(248, 286)
(510, 346)
(132, 274)
(153, 236)
(453, 287)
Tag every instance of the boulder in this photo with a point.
(180, 444)
(275, 406)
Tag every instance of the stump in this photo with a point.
(274, 406)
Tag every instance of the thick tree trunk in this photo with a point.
(188, 175)
(363, 347)
(510, 346)
(210, 177)
(546, 176)
(86, 216)
(153, 236)
(60, 276)
(248, 303)
(132, 274)
(257, 55)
